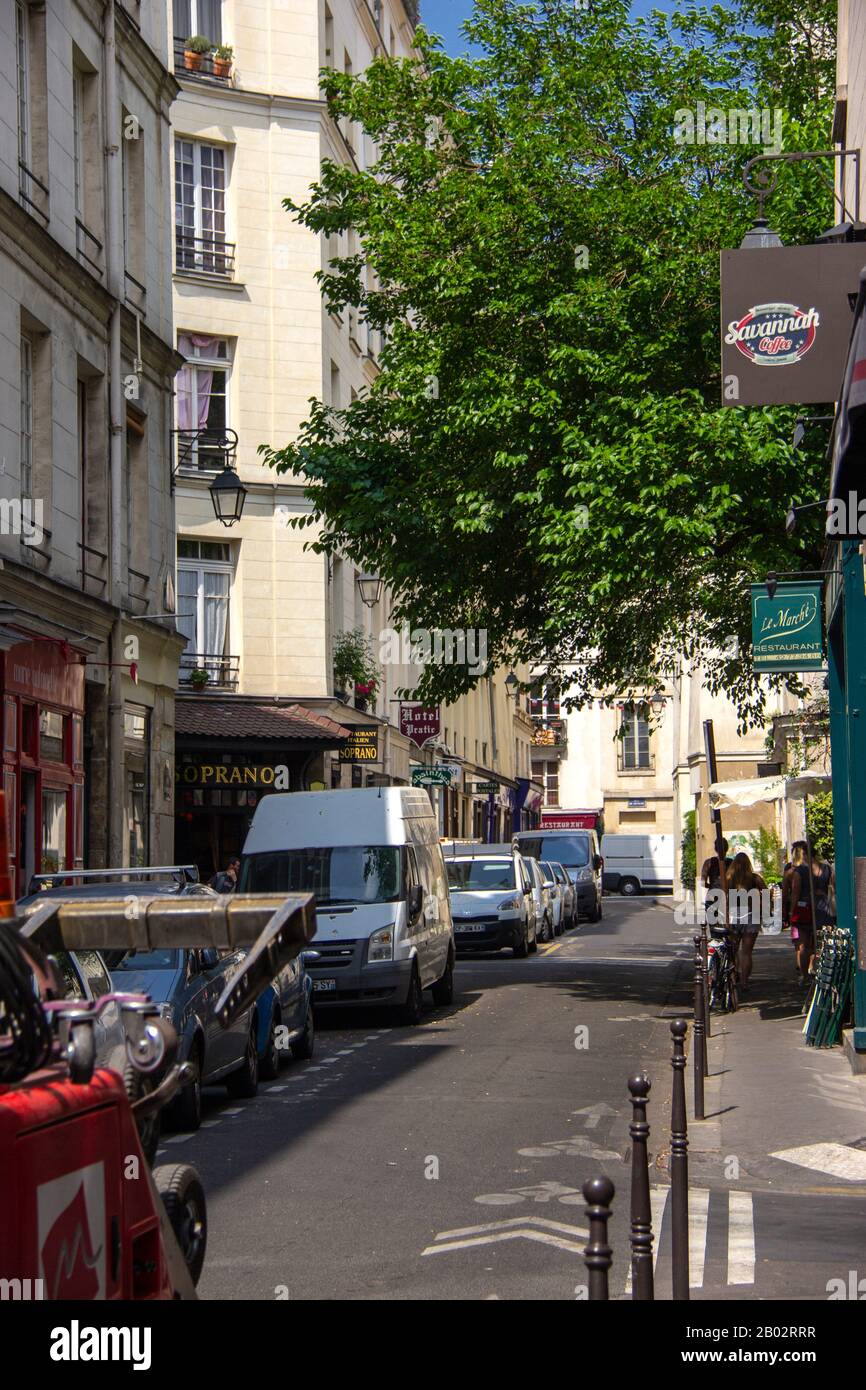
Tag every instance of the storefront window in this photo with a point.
(52, 740)
(53, 831)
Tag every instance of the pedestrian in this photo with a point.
(797, 908)
(227, 880)
(745, 889)
(713, 902)
(710, 867)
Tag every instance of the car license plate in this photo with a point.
(472, 926)
(324, 986)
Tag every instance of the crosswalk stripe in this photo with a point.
(741, 1238)
(699, 1207)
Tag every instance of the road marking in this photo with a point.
(741, 1238)
(576, 1145)
(235, 1110)
(271, 1089)
(207, 1124)
(536, 1228)
(540, 1192)
(839, 1160)
(699, 1207)
(594, 1113)
(180, 1138)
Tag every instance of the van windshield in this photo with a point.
(570, 850)
(477, 875)
(347, 874)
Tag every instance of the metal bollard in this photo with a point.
(641, 1214)
(598, 1256)
(699, 1049)
(679, 1166)
(706, 958)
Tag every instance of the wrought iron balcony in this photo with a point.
(209, 69)
(549, 733)
(204, 255)
(88, 247)
(32, 192)
(205, 671)
(204, 451)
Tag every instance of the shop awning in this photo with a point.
(750, 791)
(235, 719)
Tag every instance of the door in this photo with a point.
(28, 829)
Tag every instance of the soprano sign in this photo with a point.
(786, 629)
(786, 322)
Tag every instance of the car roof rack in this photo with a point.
(187, 872)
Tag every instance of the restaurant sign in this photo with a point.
(420, 723)
(362, 745)
(439, 776)
(786, 322)
(272, 775)
(787, 628)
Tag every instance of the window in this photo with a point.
(550, 781)
(53, 831)
(329, 39)
(545, 704)
(200, 208)
(25, 449)
(31, 107)
(78, 140)
(23, 72)
(335, 386)
(52, 736)
(136, 817)
(137, 504)
(204, 589)
(198, 17)
(634, 739)
(134, 209)
(202, 401)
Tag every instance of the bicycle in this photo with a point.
(722, 951)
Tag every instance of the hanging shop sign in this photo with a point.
(362, 745)
(786, 629)
(431, 776)
(420, 723)
(786, 322)
(273, 775)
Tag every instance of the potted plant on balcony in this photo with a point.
(355, 669)
(198, 677)
(222, 60)
(194, 50)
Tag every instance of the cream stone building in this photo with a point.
(261, 612)
(88, 663)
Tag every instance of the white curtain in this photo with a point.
(193, 382)
(216, 612)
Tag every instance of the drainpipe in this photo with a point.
(114, 259)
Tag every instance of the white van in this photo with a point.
(638, 863)
(373, 860)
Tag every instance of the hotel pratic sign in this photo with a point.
(786, 629)
(420, 722)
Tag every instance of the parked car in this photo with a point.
(372, 858)
(492, 901)
(569, 897)
(285, 1019)
(638, 863)
(185, 984)
(554, 893)
(578, 852)
(541, 897)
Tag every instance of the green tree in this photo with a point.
(819, 823)
(689, 846)
(543, 454)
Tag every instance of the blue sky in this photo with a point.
(444, 17)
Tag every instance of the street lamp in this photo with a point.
(228, 495)
(658, 700)
(512, 686)
(760, 236)
(370, 586)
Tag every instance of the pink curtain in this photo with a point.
(184, 381)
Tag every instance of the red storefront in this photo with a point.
(43, 756)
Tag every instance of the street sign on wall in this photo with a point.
(420, 722)
(786, 322)
(787, 628)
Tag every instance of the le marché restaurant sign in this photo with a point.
(786, 629)
(786, 322)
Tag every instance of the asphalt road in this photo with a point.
(446, 1161)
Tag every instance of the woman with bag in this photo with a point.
(745, 889)
(797, 906)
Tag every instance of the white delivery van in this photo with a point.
(373, 860)
(638, 863)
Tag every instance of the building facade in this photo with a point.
(87, 361)
(260, 612)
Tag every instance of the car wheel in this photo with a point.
(183, 1198)
(521, 947)
(269, 1062)
(629, 887)
(443, 990)
(185, 1109)
(302, 1049)
(243, 1084)
(533, 944)
(412, 1010)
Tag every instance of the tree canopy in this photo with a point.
(544, 454)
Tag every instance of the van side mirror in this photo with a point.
(415, 900)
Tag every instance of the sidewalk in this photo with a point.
(780, 1115)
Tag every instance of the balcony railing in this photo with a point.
(203, 671)
(93, 567)
(634, 762)
(549, 733)
(32, 192)
(204, 255)
(208, 70)
(204, 451)
(88, 247)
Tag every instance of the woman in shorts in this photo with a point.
(744, 898)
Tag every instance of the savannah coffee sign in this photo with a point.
(786, 322)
